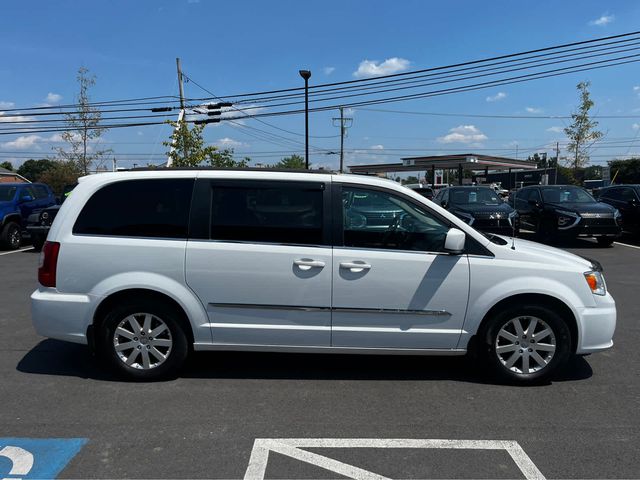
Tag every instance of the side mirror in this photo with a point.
(454, 241)
(26, 198)
(444, 204)
(534, 203)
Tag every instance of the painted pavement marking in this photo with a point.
(293, 448)
(25, 458)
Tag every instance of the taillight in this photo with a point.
(48, 264)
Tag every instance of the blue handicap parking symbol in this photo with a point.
(24, 458)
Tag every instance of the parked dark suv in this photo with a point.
(480, 207)
(626, 198)
(558, 212)
(17, 202)
(39, 223)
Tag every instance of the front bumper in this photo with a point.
(62, 316)
(597, 325)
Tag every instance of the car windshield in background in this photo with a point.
(473, 196)
(7, 193)
(566, 195)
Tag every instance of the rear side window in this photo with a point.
(138, 208)
(291, 213)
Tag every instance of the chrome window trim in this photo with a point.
(332, 309)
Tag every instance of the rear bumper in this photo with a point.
(597, 326)
(61, 316)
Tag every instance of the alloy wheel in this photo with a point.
(525, 345)
(142, 341)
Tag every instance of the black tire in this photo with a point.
(545, 318)
(176, 353)
(605, 241)
(11, 236)
(37, 241)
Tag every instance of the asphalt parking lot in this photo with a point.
(339, 413)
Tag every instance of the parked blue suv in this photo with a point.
(17, 202)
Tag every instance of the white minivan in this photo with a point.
(145, 266)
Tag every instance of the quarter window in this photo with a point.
(138, 208)
(285, 213)
(377, 219)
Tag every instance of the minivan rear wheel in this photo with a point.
(527, 344)
(143, 340)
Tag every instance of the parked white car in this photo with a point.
(147, 266)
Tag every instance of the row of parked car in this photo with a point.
(552, 212)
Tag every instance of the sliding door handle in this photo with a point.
(355, 267)
(307, 264)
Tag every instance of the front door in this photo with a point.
(393, 286)
(259, 259)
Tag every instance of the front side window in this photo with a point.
(7, 193)
(285, 213)
(138, 208)
(378, 219)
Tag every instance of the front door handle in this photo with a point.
(308, 264)
(355, 267)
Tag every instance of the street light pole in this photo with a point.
(306, 74)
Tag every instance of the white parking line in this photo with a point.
(292, 447)
(627, 245)
(16, 251)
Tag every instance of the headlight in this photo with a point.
(466, 217)
(596, 283)
(567, 219)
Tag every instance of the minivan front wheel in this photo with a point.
(143, 340)
(527, 343)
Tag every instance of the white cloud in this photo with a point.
(497, 97)
(636, 126)
(463, 134)
(555, 129)
(603, 20)
(377, 147)
(13, 118)
(4, 104)
(227, 142)
(140, 133)
(23, 142)
(328, 70)
(53, 97)
(635, 89)
(374, 68)
(533, 110)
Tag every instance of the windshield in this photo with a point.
(566, 195)
(7, 193)
(473, 196)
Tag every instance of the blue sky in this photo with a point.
(245, 46)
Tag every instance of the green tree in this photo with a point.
(33, 169)
(187, 149)
(83, 129)
(582, 133)
(61, 173)
(7, 166)
(294, 162)
(625, 171)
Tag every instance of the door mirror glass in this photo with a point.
(533, 202)
(26, 198)
(454, 241)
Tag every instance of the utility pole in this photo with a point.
(182, 112)
(344, 124)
